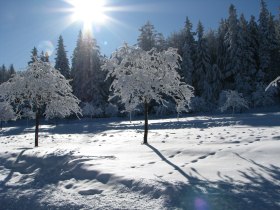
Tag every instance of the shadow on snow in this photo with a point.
(257, 192)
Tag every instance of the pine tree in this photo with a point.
(222, 55)
(244, 78)
(188, 53)
(212, 42)
(267, 43)
(42, 56)
(34, 55)
(147, 38)
(233, 42)
(202, 74)
(61, 60)
(4, 74)
(11, 70)
(88, 79)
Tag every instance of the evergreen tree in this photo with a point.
(267, 43)
(61, 60)
(11, 70)
(222, 56)
(34, 55)
(202, 74)
(188, 53)
(147, 38)
(3, 74)
(244, 78)
(233, 43)
(42, 56)
(88, 79)
(187, 65)
(212, 42)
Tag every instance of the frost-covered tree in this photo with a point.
(142, 76)
(61, 60)
(6, 112)
(234, 100)
(43, 90)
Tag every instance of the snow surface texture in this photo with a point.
(202, 163)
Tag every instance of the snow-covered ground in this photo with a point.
(205, 162)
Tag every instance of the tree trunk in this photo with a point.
(37, 128)
(1, 124)
(146, 122)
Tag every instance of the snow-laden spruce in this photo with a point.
(142, 76)
(41, 89)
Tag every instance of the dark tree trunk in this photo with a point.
(37, 128)
(146, 122)
(1, 124)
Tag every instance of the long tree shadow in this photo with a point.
(177, 168)
(259, 190)
(10, 175)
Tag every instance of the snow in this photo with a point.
(198, 162)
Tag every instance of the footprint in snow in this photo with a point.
(90, 192)
(151, 162)
(276, 137)
(193, 161)
(171, 156)
(68, 186)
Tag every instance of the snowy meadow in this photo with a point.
(196, 162)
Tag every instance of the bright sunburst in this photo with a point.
(88, 11)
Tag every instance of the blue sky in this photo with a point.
(28, 23)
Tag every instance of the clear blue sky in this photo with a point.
(28, 23)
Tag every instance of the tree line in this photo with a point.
(241, 55)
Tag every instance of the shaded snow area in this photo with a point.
(202, 163)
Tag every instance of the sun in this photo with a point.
(89, 12)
